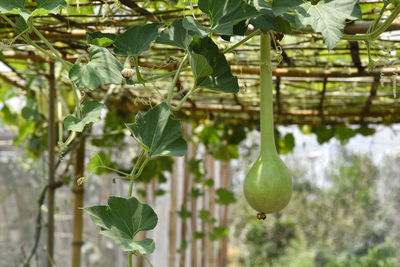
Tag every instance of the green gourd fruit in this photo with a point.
(268, 185)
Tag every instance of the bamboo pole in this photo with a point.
(223, 220)
(211, 190)
(51, 167)
(78, 191)
(173, 214)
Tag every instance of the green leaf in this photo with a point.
(286, 144)
(195, 193)
(327, 17)
(224, 14)
(240, 28)
(91, 113)
(11, 5)
(155, 168)
(266, 21)
(225, 197)
(191, 24)
(43, 7)
(46, 6)
(218, 232)
(343, 134)
(204, 215)
(176, 35)
(209, 182)
(198, 235)
(226, 152)
(102, 68)
(184, 213)
(136, 40)
(122, 219)
(98, 160)
(210, 68)
(100, 39)
(14, 7)
(158, 133)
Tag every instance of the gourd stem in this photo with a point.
(266, 112)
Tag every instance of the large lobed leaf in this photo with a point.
(327, 16)
(158, 133)
(102, 68)
(136, 40)
(224, 14)
(267, 20)
(176, 35)
(210, 67)
(122, 219)
(91, 113)
(43, 7)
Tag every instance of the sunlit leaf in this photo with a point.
(102, 68)
(100, 39)
(46, 6)
(327, 16)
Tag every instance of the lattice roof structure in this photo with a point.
(312, 85)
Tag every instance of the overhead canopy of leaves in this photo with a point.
(210, 68)
(327, 16)
(136, 40)
(102, 68)
(158, 133)
(91, 113)
(122, 219)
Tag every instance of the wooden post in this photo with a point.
(173, 214)
(52, 187)
(223, 220)
(78, 191)
(193, 219)
(139, 261)
(210, 172)
(203, 254)
(185, 189)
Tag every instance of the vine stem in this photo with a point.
(375, 33)
(178, 71)
(151, 265)
(138, 75)
(183, 100)
(229, 49)
(266, 102)
(66, 64)
(132, 174)
(130, 259)
(248, 37)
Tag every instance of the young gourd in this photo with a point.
(268, 185)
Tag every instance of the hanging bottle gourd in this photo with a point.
(268, 185)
